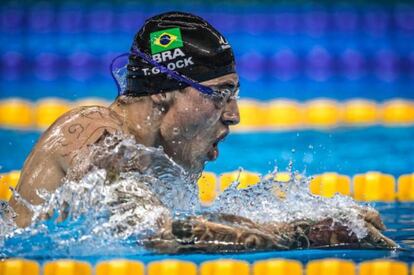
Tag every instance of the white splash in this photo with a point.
(98, 216)
(261, 203)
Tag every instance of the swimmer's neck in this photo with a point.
(141, 121)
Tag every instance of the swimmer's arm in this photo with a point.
(40, 179)
(227, 233)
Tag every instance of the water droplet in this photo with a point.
(307, 158)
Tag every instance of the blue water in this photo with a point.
(347, 151)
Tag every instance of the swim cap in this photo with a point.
(182, 42)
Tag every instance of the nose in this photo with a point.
(231, 115)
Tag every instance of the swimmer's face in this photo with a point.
(196, 123)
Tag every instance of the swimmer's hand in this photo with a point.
(374, 224)
(328, 233)
(372, 217)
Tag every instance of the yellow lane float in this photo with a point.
(171, 267)
(283, 114)
(361, 112)
(277, 266)
(328, 184)
(67, 267)
(282, 178)
(16, 113)
(245, 179)
(330, 267)
(207, 187)
(19, 267)
(225, 267)
(406, 188)
(279, 114)
(322, 113)
(383, 267)
(398, 112)
(6, 181)
(374, 186)
(119, 267)
(252, 115)
(371, 186)
(48, 110)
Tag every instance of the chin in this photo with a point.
(197, 166)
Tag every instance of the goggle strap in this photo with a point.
(173, 74)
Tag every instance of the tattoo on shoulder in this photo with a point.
(82, 136)
(100, 114)
(77, 129)
(94, 114)
(117, 120)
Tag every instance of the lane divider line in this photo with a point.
(372, 186)
(280, 114)
(328, 266)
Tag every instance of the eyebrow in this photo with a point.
(228, 83)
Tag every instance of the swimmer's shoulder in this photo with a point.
(92, 117)
(78, 129)
(82, 126)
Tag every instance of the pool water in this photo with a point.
(346, 151)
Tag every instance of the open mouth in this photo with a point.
(214, 151)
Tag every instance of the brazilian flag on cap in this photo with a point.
(165, 40)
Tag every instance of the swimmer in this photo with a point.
(181, 93)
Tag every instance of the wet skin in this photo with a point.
(186, 123)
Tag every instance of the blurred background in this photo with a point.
(290, 49)
(299, 50)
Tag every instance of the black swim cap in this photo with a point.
(182, 42)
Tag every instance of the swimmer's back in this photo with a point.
(58, 149)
